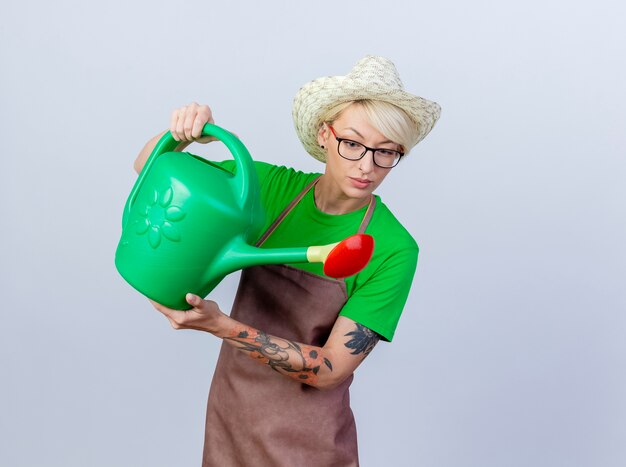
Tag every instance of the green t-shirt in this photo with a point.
(377, 294)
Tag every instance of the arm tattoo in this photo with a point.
(362, 340)
(299, 361)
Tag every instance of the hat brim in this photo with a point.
(315, 97)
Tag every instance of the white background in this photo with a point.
(511, 349)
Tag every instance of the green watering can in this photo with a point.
(188, 223)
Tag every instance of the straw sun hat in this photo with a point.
(374, 78)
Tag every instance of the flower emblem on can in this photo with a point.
(159, 218)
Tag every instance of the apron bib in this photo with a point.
(258, 417)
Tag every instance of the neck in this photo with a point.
(330, 200)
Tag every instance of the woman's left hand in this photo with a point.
(204, 316)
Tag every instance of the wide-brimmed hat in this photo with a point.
(373, 78)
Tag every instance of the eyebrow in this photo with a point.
(362, 137)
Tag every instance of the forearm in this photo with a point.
(322, 367)
(303, 363)
(147, 150)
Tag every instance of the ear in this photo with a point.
(322, 135)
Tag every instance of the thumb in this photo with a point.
(193, 300)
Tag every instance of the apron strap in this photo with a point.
(368, 215)
(287, 210)
(297, 199)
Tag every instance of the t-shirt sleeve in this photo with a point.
(378, 303)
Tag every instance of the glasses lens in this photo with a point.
(351, 149)
(386, 158)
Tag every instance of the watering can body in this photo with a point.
(187, 222)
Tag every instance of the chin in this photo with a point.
(358, 193)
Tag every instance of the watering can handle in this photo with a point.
(167, 143)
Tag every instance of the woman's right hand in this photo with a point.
(186, 123)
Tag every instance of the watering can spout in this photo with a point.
(340, 260)
(242, 255)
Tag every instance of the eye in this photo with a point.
(352, 144)
(386, 152)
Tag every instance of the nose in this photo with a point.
(366, 163)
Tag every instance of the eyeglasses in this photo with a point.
(353, 151)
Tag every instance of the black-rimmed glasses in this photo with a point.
(353, 151)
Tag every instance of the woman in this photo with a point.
(311, 330)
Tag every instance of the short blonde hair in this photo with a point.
(387, 118)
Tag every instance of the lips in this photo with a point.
(360, 182)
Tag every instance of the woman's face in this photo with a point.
(354, 180)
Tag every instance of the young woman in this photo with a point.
(312, 331)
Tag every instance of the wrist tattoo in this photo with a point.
(362, 340)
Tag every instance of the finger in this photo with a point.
(190, 116)
(168, 312)
(207, 118)
(203, 117)
(173, 122)
(194, 300)
(198, 125)
(175, 317)
(180, 123)
(173, 323)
